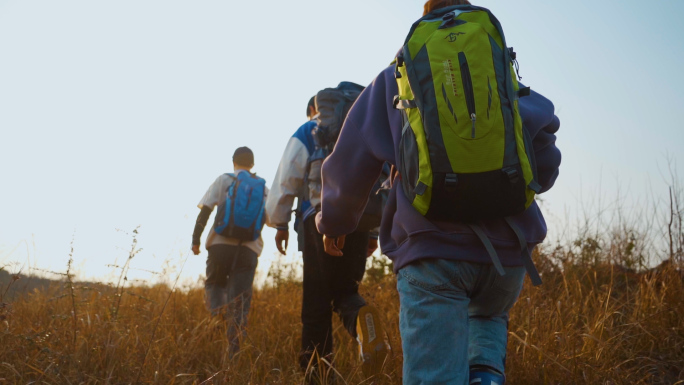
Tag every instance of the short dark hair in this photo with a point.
(312, 103)
(243, 156)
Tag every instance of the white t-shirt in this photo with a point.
(214, 196)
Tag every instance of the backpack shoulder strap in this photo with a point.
(490, 248)
(233, 178)
(255, 176)
(526, 255)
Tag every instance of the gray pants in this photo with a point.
(230, 273)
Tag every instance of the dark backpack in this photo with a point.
(241, 215)
(332, 105)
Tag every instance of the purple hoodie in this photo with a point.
(371, 136)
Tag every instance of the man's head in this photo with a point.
(243, 158)
(431, 5)
(311, 108)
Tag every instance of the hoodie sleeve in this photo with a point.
(349, 173)
(539, 118)
(288, 184)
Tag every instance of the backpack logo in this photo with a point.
(454, 36)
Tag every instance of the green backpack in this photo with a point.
(464, 153)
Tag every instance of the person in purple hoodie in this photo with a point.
(454, 305)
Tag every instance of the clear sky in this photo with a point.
(118, 114)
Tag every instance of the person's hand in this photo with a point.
(372, 246)
(333, 246)
(195, 249)
(281, 239)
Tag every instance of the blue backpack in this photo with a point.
(241, 215)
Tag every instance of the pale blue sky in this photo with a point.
(115, 114)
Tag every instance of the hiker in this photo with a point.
(289, 183)
(328, 284)
(470, 149)
(234, 243)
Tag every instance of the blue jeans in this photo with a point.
(454, 314)
(228, 288)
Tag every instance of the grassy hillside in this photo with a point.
(591, 322)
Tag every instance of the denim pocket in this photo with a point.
(511, 283)
(432, 274)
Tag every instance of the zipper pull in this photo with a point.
(473, 118)
(514, 60)
(517, 69)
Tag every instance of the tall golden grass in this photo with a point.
(602, 316)
(588, 324)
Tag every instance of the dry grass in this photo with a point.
(598, 325)
(604, 325)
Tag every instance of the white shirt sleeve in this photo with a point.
(214, 194)
(288, 183)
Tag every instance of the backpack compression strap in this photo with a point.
(490, 248)
(526, 256)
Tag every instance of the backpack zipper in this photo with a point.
(468, 90)
(249, 195)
